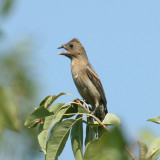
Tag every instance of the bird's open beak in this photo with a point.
(65, 52)
(62, 46)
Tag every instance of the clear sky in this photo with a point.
(122, 40)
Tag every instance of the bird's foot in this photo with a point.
(94, 111)
(85, 101)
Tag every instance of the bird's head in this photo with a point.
(73, 49)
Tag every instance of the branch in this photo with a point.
(130, 154)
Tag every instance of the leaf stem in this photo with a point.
(85, 104)
(78, 104)
(90, 115)
(129, 153)
(71, 95)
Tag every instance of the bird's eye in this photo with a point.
(71, 45)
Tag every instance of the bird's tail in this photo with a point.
(101, 113)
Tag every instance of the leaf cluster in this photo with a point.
(56, 121)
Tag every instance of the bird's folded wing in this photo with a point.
(96, 81)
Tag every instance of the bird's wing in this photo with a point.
(96, 81)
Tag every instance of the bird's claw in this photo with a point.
(92, 112)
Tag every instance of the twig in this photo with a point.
(85, 104)
(82, 105)
(131, 147)
(90, 115)
(130, 154)
(71, 95)
(77, 104)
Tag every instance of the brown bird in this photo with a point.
(85, 78)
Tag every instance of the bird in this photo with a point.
(85, 77)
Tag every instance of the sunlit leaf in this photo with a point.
(156, 155)
(146, 135)
(110, 119)
(155, 119)
(153, 150)
(142, 150)
(77, 139)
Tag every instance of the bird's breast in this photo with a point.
(84, 85)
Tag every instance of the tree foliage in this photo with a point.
(57, 127)
(18, 92)
(56, 121)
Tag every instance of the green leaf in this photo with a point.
(7, 6)
(110, 119)
(1, 34)
(156, 155)
(72, 109)
(155, 120)
(58, 139)
(77, 139)
(50, 99)
(94, 150)
(48, 123)
(90, 131)
(109, 146)
(56, 107)
(36, 116)
(142, 150)
(82, 109)
(59, 110)
(153, 150)
(8, 111)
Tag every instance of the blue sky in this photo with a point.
(122, 40)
